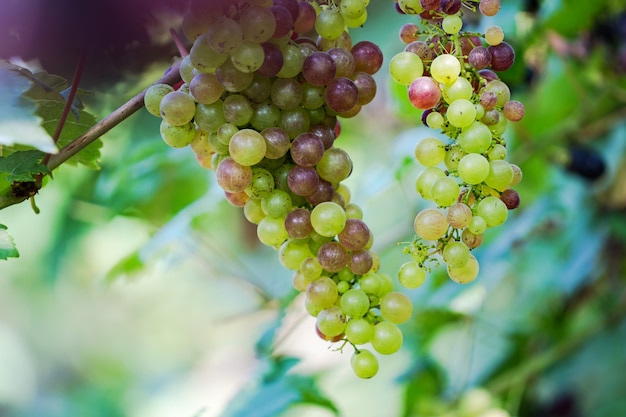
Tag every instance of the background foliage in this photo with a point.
(139, 291)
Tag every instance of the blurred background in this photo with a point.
(140, 292)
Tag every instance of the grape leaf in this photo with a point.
(18, 122)
(22, 165)
(48, 94)
(7, 245)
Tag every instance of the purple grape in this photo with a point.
(303, 181)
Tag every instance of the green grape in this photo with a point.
(247, 147)
(311, 308)
(460, 89)
(177, 108)
(445, 191)
(252, 210)
(455, 254)
(187, 71)
(459, 215)
(499, 127)
(311, 268)
(335, 165)
(500, 175)
(358, 22)
(475, 138)
(477, 225)
(331, 322)
(480, 110)
(426, 179)
(322, 292)
(277, 203)
(225, 133)
(352, 9)
(517, 175)
(445, 68)
(205, 88)
(224, 35)
(473, 168)
(430, 224)
(328, 218)
(430, 152)
(353, 211)
(359, 331)
(203, 57)
(330, 24)
(453, 157)
(411, 275)
(342, 287)
(370, 283)
(271, 231)
(405, 67)
(493, 210)
(396, 307)
(266, 115)
(262, 183)
(497, 151)
(435, 120)
(452, 24)
(248, 57)
(292, 252)
(355, 303)
(153, 96)
(293, 59)
(209, 117)
(411, 6)
(461, 113)
(237, 110)
(465, 274)
(364, 364)
(386, 284)
(387, 338)
(300, 281)
(177, 136)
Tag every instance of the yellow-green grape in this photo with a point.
(430, 152)
(445, 68)
(387, 338)
(426, 179)
(430, 224)
(396, 307)
(435, 120)
(364, 364)
(405, 67)
(445, 191)
(473, 168)
(154, 95)
(359, 330)
(493, 210)
(461, 113)
(330, 24)
(411, 275)
(452, 24)
(177, 108)
(465, 274)
(177, 136)
(500, 174)
(456, 254)
(494, 35)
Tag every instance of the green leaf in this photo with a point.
(128, 265)
(47, 93)
(276, 392)
(22, 165)
(7, 245)
(18, 123)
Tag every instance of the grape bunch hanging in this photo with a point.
(264, 85)
(452, 76)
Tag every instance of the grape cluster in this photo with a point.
(264, 85)
(452, 76)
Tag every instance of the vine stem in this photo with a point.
(171, 77)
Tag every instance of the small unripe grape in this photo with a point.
(387, 338)
(405, 67)
(359, 331)
(430, 152)
(452, 24)
(456, 254)
(153, 96)
(473, 168)
(493, 210)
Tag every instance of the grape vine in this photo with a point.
(451, 75)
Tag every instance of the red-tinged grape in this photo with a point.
(341, 94)
(502, 56)
(322, 292)
(237, 199)
(366, 86)
(335, 165)
(177, 108)
(319, 68)
(325, 192)
(424, 93)
(409, 32)
(450, 6)
(360, 262)
(488, 74)
(510, 198)
(277, 142)
(459, 215)
(273, 61)
(291, 5)
(368, 57)
(257, 24)
(488, 100)
(298, 223)
(325, 133)
(332, 256)
(344, 61)
(513, 110)
(233, 177)
(354, 235)
(331, 322)
(489, 7)
(205, 88)
(303, 181)
(283, 19)
(306, 17)
(307, 149)
(470, 239)
(232, 79)
(421, 49)
(479, 57)
(517, 175)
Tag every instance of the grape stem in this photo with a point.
(9, 197)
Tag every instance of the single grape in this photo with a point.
(494, 35)
(292, 252)
(452, 24)
(341, 94)
(479, 57)
(445, 68)
(359, 330)
(328, 218)
(303, 181)
(153, 96)
(405, 67)
(355, 234)
(257, 24)
(461, 113)
(387, 338)
(445, 191)
(429, 152)
(493, 210)
(364, 364)
(473, 168)
(424, 93)
(368, 57)
(475, 138)
(248, 57)
(331, 322)
(329, 24)
(426, 179)
(411, 275)
(430, 224)
(361, 261)
(319, 68)
(355, 303)
(298, 223)
(500, 174)
(477, 225)
(460, 89)
(470, 239)
(271, 231)
(247, 147)
(332, 256)
(396, 307)
(489, 7)
(513, 110)
(335, 165)
(456, 254)
(459, 215)
(177, 108)
(465, 274)
(177, 136)
(262, 183)
(502, 56)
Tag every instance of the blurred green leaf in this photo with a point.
(7, 245)
(22, 165)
